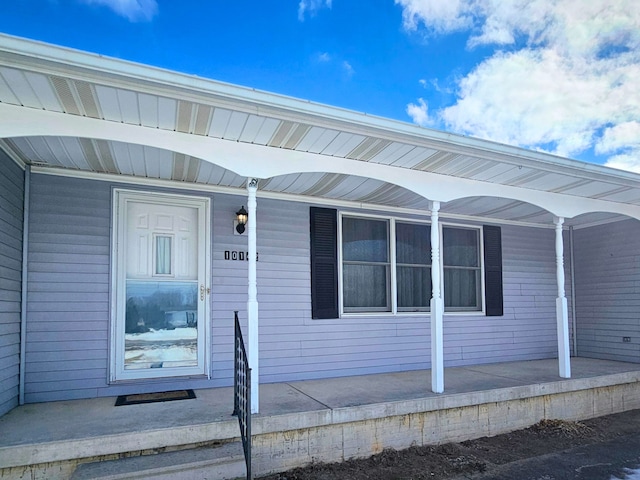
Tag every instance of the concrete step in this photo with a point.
(225, 462)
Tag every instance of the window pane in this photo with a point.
(414, 288)
(364, 240)
(163, 255)
(462, 288)
(365, 286)
(413, 244)
(460, 247)
(161, 324)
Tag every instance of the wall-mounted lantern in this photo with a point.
(241, 220)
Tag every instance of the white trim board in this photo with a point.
(201, 188)
(202, 275)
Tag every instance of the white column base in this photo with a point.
(254, 355)
(564, 357)
(437, 346)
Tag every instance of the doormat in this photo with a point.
(154, 397)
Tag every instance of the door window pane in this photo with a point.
(161, 320)
(163, 255)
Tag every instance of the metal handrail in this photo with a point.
(242, 393)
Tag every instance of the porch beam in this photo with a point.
(437, 306)
(562, 317)
(262, 161)
(252, 295)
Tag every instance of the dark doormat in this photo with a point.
(155, 397)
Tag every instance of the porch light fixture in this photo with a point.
(241, 219)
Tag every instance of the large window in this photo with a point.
(386, 266)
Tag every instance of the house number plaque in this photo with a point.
(236, 255)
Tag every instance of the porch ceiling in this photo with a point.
(71, 83)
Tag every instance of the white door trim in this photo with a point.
(116, 346)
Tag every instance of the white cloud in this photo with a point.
(310, 7)
(348, 69)
(624, 137)
(133, 10)
(620, 136)
(630, 162)
(419, 113)
(436, 15)
(571, 86)
(335, 64)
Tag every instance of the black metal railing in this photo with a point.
(242, 394)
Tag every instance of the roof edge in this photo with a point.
(37, 51)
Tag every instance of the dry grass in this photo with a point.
(562, 428)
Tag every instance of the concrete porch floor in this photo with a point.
(59, 431)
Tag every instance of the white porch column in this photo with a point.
(437, 306)
(562, 316)
(252, 297)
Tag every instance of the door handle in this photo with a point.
(204, 291)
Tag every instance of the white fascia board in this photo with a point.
(250, 160)
(379, 210)
(65, 60)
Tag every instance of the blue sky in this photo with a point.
(553, 75)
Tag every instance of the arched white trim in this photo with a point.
(264, 162)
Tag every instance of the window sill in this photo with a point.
(407, 314)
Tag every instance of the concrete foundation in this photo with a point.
(363, 431)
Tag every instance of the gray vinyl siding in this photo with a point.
(527, 330)
(607, 275)
(295, 347)
(11, 220)
(69, 301)
(68, 288)
(67, 353)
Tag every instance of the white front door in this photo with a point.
(161, 309)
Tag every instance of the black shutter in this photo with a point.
(492, 236)
(324, 262)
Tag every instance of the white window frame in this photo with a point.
(393, 265)
(172, 266)
(442, 225)
(392, 275)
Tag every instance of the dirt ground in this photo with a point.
(474, 456)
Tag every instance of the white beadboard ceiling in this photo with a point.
(38, 84)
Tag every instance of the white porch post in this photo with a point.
(562, 317)
(437, 306)
(252, 297)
